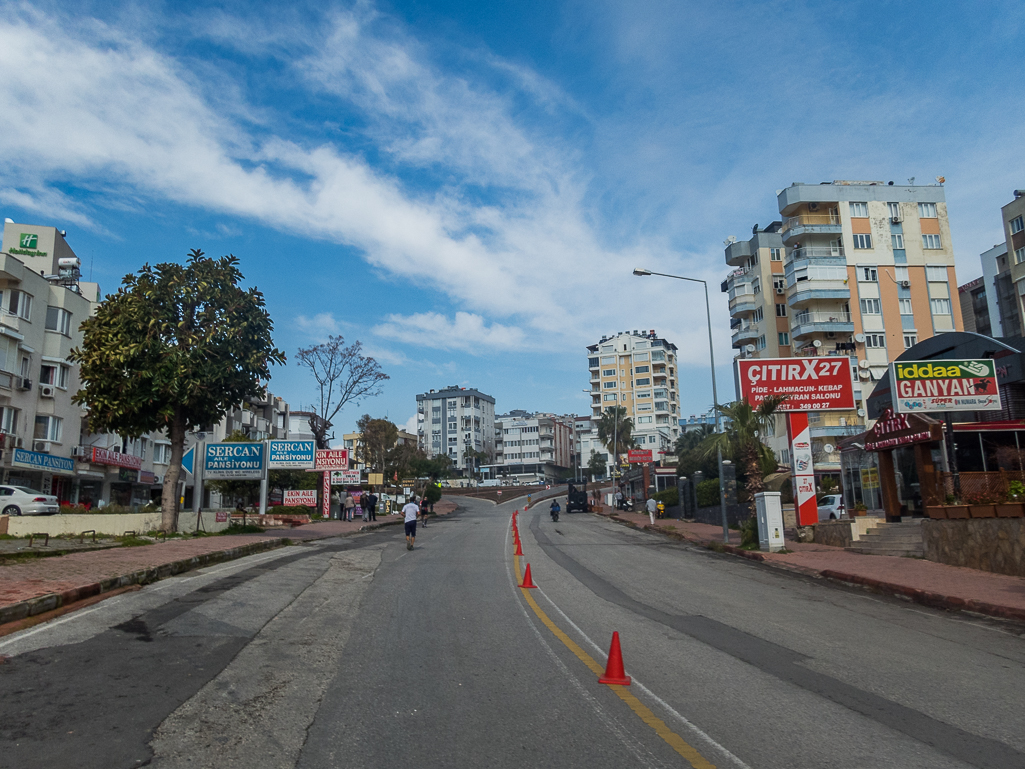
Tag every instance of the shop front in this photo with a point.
(121, 483)
(46, 473)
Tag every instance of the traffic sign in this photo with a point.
(189, 460)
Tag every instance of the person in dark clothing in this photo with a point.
(372, 505)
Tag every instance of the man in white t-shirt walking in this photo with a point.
(410, 511)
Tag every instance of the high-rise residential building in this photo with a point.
(639, 371)
(454, 419)
(974, 307)
(756, 289)
(1013, 215)
(867, 272)
(532, 447)
(1001, 295)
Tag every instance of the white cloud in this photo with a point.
(466, 332)
(319, 327)
(410, 426)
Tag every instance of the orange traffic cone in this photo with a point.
(527, 582)
(614, 673)
(519, 547)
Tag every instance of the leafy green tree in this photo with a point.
(432, 493)
(596, 465)
(475, 457)
(173, 350)
(614, 425)
(284, 480)
(404, 461)
(377, 437)
(742, 438)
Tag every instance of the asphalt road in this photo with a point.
(358, 653)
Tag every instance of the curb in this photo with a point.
(32, 606)
(916, 595)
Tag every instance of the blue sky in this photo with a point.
(466, 187)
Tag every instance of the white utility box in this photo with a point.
(770, 521)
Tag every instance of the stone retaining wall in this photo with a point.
(988, 544)
(113, 524)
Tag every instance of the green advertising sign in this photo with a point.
(945, 385)
(28, 241)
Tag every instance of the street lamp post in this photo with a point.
(715, 396)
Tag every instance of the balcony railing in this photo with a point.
(815, 252)
(802, 318)
(811, 220)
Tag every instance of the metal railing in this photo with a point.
(802, 318)
(811, 220)
(815, 252)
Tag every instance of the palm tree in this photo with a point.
(614, 426)
(744, 427)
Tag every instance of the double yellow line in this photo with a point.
(675, 741)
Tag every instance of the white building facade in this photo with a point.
(454, 419)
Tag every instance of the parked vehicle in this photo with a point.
(21, 500)
(831, 508)
(576, 498)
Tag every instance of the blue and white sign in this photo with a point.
(233, 460)
(292, 455)
(35, 460)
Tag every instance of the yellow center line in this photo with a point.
(675, 741)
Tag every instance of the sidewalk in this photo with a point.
(926, 582)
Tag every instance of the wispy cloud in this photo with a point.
(319, 327)
(466, 332)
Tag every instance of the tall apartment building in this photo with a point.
(1013, 215)
(868, 271)
(455, 419)
(532, 445)
(974, 307)
(639, 371)
(756, 289)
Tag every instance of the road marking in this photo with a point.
(675, 741)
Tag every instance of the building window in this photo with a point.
(9, 420)
(931, 242)
(20, 304)
(780, 284)
(608, 372)
(784, 338)
(927, 210)
(936, 273)
(592, 363)
(644, 420)
(608, 360)
(781, 310)
(862, 240)
(642, 369)
(894, 209)
(58, 319)
(609, 397)
(54, 375)
(905, 307)
(753, 261)
(760, 344)
(161, 453)
(1019, 255)
(897, 241)
(1017, 224)
(776, 254)
(869, 274)
(900, 274)
(756, 287)
(870, 307)
(910, 340)
(859, 209)
(643, 394)
(757, 315)
(875, 340)
(49, 428)
(609, 385)
(940, 306)
(658, 355)
(642, 382)
(640, 356)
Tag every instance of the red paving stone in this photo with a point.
(924, 581)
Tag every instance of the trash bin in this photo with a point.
(769, 510)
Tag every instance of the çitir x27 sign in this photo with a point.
(945, 385)
(810, 384)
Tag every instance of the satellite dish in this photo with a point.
(730, 240)
(8, 221)
(861, 412)
(859, 337)
(817, 343)
(828, 448)
(749, 348)
(864, 363)
(864, 373)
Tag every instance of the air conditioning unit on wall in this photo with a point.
(905, 284)
(46, 391)
(80, 451)
(41, 446)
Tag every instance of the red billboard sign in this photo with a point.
(639, 456)
(810, 384)
(116, 458)
(332, 459)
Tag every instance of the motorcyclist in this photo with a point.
(554, 510)
(661, 510)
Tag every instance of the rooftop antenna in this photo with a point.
(911, 182)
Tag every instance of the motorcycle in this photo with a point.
(554, 510)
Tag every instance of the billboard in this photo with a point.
(296, 497)
(636, 456)
(345, 478)
(233, 460)
(332, 459)
(817, 383)
(291, 455)
(944, 385)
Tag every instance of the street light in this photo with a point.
(715, 397)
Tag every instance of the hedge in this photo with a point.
(708, 493)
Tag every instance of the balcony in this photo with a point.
(739, 285)
(808, 323)
(816, 252)
(828, 431)
(747, 331)
(810, 224)
(816, 277)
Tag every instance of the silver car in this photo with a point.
(21, 500)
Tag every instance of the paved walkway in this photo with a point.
(927, 582)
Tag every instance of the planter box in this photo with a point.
(957, 511)
(936, 512)
(1010, 510)
(982, 511)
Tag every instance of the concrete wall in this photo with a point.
(988, 544)
(111, 524)
(844, 532)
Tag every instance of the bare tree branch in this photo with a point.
(344, 375)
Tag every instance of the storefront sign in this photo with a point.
(375, 479)
(345, 478)
(296, 497)
(233, 460)
(292, 455)
(639, 456)
(945, 385)
(35, 460)
(332, 459)
(893, 430)
(145, 476)
(809, 384)
(127, 475)
(870, 478)
(116, 458)
(805, 504)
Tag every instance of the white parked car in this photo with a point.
(831, 507)
(21, 500)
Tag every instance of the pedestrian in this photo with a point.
(372, 505)
(350, 503)
(652, 507)
(619, 499)
(410, 511)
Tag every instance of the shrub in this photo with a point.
(749, 532)
(288, 510)
(708, 493)
(669, 497)
(432, 494)
(1015, 491)
(67, 509)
